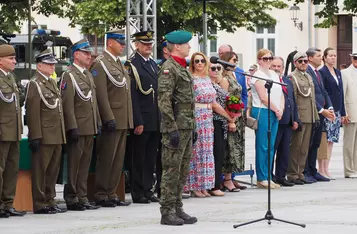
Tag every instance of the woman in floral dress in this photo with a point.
(235, 158)
(202, 171)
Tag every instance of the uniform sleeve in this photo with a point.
(100, 81)
(68, 93)
(316, 113)
(295, 98)
(33, 107)
(166, 86)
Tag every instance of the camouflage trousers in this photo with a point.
(175, 169)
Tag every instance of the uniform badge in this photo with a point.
(166, 72)
(94, 72)
(64, 85)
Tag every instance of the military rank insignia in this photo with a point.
(94, 72)
(64, 85)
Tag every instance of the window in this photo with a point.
(213, 42)
(96, 42)
(265, 38)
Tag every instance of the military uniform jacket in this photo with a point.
(10, 109)
(304, 92)
(80, 102)
(144, 92)
(44, 112)
(113, 91)
(176, 97)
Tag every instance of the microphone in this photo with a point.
(215, 59)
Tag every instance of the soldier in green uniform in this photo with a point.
(115, 108)
(46, 133)
(176, 103)
(10, 132)
(81, 121)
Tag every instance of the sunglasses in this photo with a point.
(266, 59)
(215, 68)
(303, 61)
(197, 61)
(354, 58)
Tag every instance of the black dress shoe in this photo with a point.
(13, 212)
(76, 207)
(120, 203)
(46, 210)
(153, 199)
(58, 209)
(297, 182)
(89, 206)
(141, 200)
(283, 182)
(306, 181)
(4, 214)
(105, 203)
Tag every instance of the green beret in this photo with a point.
(6, 50)
(178, 37)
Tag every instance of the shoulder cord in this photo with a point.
(112, 79)
(138, 84)
(81, 95)
(9, 100)
(54, 106)
(298, 87)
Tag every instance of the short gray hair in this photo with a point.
(170, 46)
(281, 58)
(312, 51)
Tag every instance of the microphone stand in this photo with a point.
(269, 214)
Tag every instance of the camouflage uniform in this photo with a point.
(176, 103)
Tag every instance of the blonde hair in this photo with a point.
(191, 66)
(263, 52)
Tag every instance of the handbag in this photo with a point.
(252, 123)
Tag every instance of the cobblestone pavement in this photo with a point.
(323, 207)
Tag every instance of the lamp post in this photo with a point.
(294, 15)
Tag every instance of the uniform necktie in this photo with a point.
(283, 87)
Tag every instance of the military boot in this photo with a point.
(186, 218)
(171, 219)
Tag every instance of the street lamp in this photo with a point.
(294, 14)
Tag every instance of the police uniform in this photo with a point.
(143, 73)
(176, 104)
(304, 92)
(10, 136)
(81, 122)
(115, 108)
(44, 116)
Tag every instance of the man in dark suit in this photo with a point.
(287, 124)
(146, 135)
(325, 109)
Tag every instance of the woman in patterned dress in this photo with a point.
(235, 157)
(202, 172)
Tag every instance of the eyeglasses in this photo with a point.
(218, 68)
(303, 61)
(266, 59)
(197, 61)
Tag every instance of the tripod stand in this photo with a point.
(269, 214)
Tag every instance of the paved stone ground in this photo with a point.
(323, 207)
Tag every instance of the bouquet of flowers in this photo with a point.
(234, 106)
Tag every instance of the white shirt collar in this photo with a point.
(111, 55)
(79, 68)
(145, 59)
(313, 68)
(5, 73)
(43, 75)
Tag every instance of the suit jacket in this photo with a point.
(322, 98)
(304, 92)
(241, 80)
(349, 77)
(114, 101)
(334, 90)
(79, 113)
(10, 113)
(290, 114)
(145, 107)
(43, 122)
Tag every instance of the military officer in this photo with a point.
(146, 135)
(46, 133)
(10, 132)
(81, 121)
(304, 92)
(176, 104)
(115, 108)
